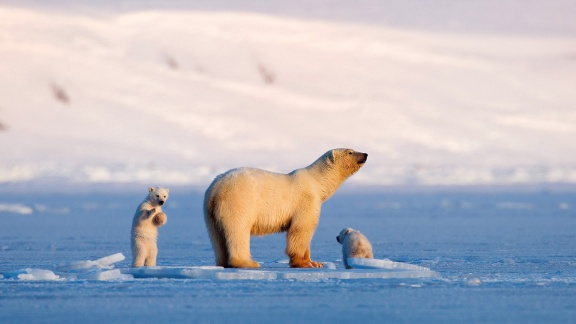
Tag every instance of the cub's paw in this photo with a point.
(159, 219)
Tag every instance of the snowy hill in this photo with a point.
(176, 97)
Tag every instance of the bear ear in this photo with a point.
(150, 189)
(331, 156)
(167, 189)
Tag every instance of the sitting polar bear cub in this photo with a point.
(248, 201)
(354, 245)
(147, 219)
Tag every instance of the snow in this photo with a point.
(100, 269)
(102, 263)
(437, 252)
(143, 94)
(16, 209)
(465, 109)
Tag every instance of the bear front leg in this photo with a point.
(298, 248)
(159, 219)
(238, 246)
(314, 263)
(146, 213)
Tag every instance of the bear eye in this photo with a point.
(157, 196)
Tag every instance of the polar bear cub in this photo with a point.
(354, 245)
(147, 219)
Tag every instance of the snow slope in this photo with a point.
(176, 97)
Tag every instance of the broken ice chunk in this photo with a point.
(37, 274)
(103, 263)
(109, 260)
(105, 275)
(329, 265)
(363, 263)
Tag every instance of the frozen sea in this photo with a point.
(503, 255)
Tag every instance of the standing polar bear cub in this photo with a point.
(247, 201)
(354, 245)
(147, 219)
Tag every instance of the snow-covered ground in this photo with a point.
(101, 99)
(501, 256)
(437, 94)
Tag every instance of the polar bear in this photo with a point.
(354, 245)
(147, 219)
(247, 201)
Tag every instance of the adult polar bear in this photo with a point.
(247, 201)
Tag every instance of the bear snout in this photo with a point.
(362, 158)
(337, 239)
(161, 202)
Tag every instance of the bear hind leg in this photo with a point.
(138, 257)
(150, 260)
(242, 263)
(218, 242)
(238, 248)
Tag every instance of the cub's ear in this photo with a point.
(167, 189)
(150, 189)
(348, 230)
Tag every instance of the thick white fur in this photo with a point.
(147, 219)
(247, 201)
(354, 245)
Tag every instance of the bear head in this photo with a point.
(347, 161)
(157, 196)
(340, 238)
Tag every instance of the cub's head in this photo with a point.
(157, 196)
(346, 160)
(340, 238)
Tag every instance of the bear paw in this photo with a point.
(241, 263)
(159, 219)
(303, 263)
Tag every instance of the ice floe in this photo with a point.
(103, 269)
(219, 273)
(363, 269)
